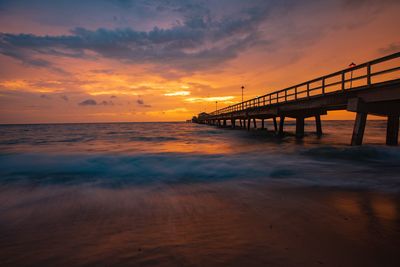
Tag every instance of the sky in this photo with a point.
(167, 60)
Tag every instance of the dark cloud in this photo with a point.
(197, 41)
(142, 104)
(198, 35)
(107, 103)
(92, 102)
(390, 48)
(20, 48)
(88, 102)
(45, 96)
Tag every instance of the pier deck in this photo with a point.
(369, 88)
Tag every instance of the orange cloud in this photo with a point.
(225, 99)
(178, 93)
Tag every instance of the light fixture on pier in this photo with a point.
(242, 95)
(352, 65)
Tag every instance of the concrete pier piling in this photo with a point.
(318, 125)
(300, 127)
(392, 130)
(281, 124)
(359, 127)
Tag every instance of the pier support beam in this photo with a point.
(318, 125)
(233, 122)
(392, 130)
(359, 127)
(248, 124)
(255, 123)
(224, 123)
(262, 124)
(299, 127)
(281, 124)
(275, 124)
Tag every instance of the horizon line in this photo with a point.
(127, 122)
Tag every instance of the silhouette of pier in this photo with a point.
(369, 88)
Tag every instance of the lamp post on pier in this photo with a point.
(352, 65)
(242, 95)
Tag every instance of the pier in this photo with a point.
(371, 88)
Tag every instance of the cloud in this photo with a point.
(194, 35)
(210, 99)
(45, 97)
(88, 102)
(178, 93)
(92, 102)
(22, 49)
(106, 103)
(198, 41)
(390, 48)
(103, 71)
(142, 104)
(65, 98)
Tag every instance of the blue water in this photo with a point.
(181, 194)
(145, 153)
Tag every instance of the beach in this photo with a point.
(136, 194)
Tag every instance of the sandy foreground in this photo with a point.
(234, 223)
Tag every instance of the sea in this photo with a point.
(185, 194)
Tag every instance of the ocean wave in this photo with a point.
(119, 169)
(315, 167)
(355, 153)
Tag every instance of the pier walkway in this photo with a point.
(369, 88)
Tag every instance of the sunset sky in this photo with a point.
(166, 60)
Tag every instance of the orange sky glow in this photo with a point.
(123, 61)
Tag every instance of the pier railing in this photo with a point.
(365, 74)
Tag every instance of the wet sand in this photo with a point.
(231, 223)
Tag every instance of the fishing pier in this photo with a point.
(371, 88)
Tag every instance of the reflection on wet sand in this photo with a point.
(228, 224)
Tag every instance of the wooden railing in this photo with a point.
(322, 85)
